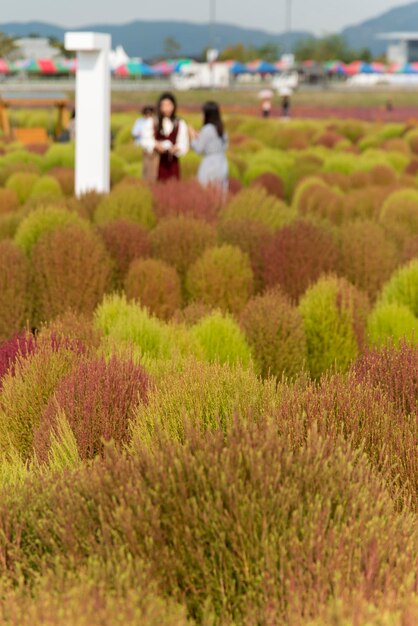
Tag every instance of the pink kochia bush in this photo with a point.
(297, 255)
(98, 400)
(187, 198)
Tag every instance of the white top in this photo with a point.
(143, 127)
(182, 143)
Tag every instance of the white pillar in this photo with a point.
(92, 169)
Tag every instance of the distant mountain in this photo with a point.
(404, 18)
(146, 38)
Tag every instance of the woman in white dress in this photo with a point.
(212, 143)
(169, 138)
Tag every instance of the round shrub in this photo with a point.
(368, 256)
(221, 277)
(59, 155)
(42, 221)
(402, 288)
(126, 323)
(26, 392)
(131, 203)
(392, 323)
(251, 237)
(187, 197)
(222, 340)
(410, 249)
(275, 332)
(303, 193)
(155, 285)
(65, 178)
(297, 255)
(125, 241)
(324, 203)
(22, 183)
(75, 328)
(179, 241)
(334, 314)
(363, 203)
(254, 203)
(71, 270)
(15, 290)
(47, 188)
(98, 399)
(272, 183)
(9, 201)
(399, 214)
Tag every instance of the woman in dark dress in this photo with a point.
(171, 137)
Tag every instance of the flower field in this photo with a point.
(209, 405)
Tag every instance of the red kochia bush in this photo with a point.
(297, 255)
(156, 285)
(98, 400)
(14, 289)
(251, 237)
(179, 241)
(125, 241)
(272, 183)
(186, 198)
(71, 271)
(395, 370)
(8, 200)
(20, 345)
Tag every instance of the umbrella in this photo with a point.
(162, 69)
(265, 94)
(336, 67)
(135, 68)
(262, 67)
(177, 65)
(239, 68)
(408, 68)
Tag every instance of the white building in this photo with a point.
(403, 47)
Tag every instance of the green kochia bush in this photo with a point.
(131, 203)
(392, 322)
(399, 214)
(221, 340)
(255, 204)
(274, 330)
(46, 187)
(15, 291)
(402, 288)
(222, 277)
(206, 395)
(334, 314)
(22, 183)
(72, 270)
(45, 220)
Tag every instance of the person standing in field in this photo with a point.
(212, 143)
(143, 128)
(169, 138)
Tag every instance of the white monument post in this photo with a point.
(92, 130)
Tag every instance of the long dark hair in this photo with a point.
(167, 95)
(212, 115)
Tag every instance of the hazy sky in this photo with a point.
(321, 16)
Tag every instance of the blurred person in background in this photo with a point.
(143, 129)
(212, 143)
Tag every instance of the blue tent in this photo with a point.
(265, 68)
(239, 68)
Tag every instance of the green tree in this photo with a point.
(7, 45)
(239, 52)
(269, 52)
(171, 46)
(328, 48)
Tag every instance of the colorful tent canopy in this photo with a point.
(6, 67)
(261, 67)
(408, 68)
(134, 68)
(238, 68)
(162, 69)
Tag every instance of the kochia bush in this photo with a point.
(402, 288)
(131, 203)
(98, 399)
(15, 290)
(392, 323)
(155, 285)
(222, 340)
(254, 203)
(174, 198)
(297, 255)
(275, 332)
(71, 271)
(125, 241)
(221, 277)
(334, 314)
